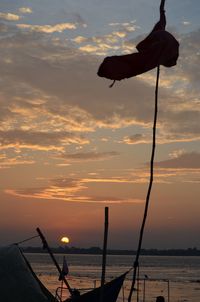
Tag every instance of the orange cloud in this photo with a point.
(88, 156)
(38, 140)
(73, 190)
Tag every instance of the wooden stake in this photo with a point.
(104, 253)
(168, 291)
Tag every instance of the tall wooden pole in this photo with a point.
(136, 263)
(104, 253)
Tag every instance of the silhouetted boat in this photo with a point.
(109, 294)
(19, 283)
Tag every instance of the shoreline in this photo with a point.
(98, 251)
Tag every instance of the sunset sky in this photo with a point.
(70, 145)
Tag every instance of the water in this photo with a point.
(176, 278)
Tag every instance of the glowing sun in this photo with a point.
(64, 240)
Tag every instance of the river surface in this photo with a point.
(176, 278)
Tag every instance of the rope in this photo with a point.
(136, 263)
(28, 239)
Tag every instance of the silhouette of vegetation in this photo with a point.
(98, 251)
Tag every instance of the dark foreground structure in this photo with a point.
(19, 283)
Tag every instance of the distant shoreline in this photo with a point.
(98, 251)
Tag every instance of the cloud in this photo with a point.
(53, 70)
(191, 57)
(6, 163)
(118, 189)
(136, 139)
(38, 140)
(80, 39)
(89, 156)
(48, 29)
(109, 43)
(186, 22)
(25, 10)
(181, 125)
(61, 189)
(89, 48)
(71, 190)
(182, 161)
(9, 17)
(177, 153)
(35, 67)
(126, 26)
(15, 159)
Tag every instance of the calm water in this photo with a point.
(176, 278)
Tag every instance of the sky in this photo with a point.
(70, 145)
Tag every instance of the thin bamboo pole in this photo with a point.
(104, 253)
(168, 291)
(136, 263)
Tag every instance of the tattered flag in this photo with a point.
(65, 269)
(158, 48)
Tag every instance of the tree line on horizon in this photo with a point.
(98, 251)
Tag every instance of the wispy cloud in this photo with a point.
(186, 23)
(54, 95)
(126, 26)
(25, 10)
(115, 41)
(183, 160)
(50, 76)
(71, 190)
(38, 140)
(48, 29)
(9, 17)
(88, 156)
(6, 163)
(92, 188)
(136, 139)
